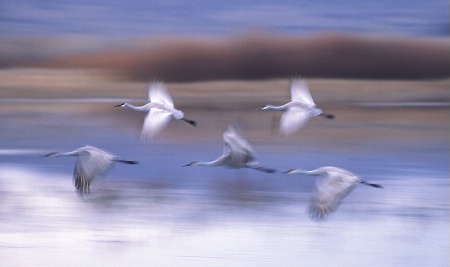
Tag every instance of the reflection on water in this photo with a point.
(133, 223)
(158, 213)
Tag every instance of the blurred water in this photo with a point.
(162, 214)
(130, 223)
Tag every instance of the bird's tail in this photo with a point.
(263, 169)
(126, 161)
(371, 184)
(191, 122)
(327, 115)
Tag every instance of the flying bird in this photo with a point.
(332, 185)
(237, 153)
(91, 163)
(160, 109)
(299, 110)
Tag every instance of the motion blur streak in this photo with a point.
(254, 57)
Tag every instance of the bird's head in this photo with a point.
(51, 154)
(192, 163)
(295, 171)
(290, 171)
(263, 108)
(120, 105)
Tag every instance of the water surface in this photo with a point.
(159, 213)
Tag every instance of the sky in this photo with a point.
(138, 18)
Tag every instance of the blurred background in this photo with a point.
(382, 68)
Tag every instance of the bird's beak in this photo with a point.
(119, 105)
(189, 164)
(51, 154)
(288, 171)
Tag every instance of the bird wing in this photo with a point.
(300, 92)
(329, 191)
(236, 142)
(226, 147)
(157, 92)
(292, 120)
(240, 152)
(154, 122)
(223, 159)
(90, 163)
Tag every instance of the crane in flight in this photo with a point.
(91, 163)
(299, 110)
(332, 185)
(160, 109)
(237, 153)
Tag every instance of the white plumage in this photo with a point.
(237, 153)
(332, 185)
(91, 163)
(160, 108)
(299, 110)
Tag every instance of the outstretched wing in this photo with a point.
(292, 120)
(91, 162)
(300, 91)
(155, 121)
(226, 147)
(157, 92)
(241, 153)
(329, 192)
(236, 143)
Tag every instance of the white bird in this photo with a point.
(91, 162)
(160, 109)
(299, 110)
(332, 185)
(237, 153)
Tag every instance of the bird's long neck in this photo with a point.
(313, 172)
(209, 163)
(218, 161)
(143, 108)
(204, 163)
(272, 107)
(66, 154)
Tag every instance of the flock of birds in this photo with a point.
(332, 184)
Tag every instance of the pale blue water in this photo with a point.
(159, 213)
(122, 19)
(136, 223)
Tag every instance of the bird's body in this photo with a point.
(299, 110)
(160, 109)
(91, 162)
(332, 185)
(237, 153)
